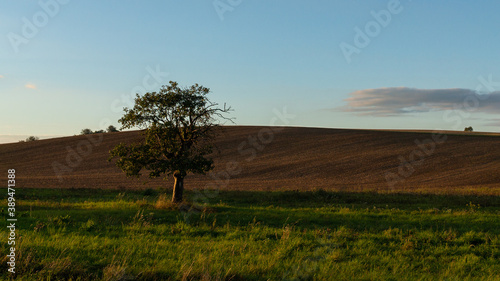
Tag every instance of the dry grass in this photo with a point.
(164, 203)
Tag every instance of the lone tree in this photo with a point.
(111, 129)
(468, 129)
(32, 138)
(179, 128)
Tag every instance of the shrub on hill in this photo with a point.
(32, 138)
(112, 129)
(86, 132)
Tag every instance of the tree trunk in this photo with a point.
(178, 188)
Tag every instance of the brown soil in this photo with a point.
(291, 158)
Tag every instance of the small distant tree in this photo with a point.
(111, 129)
(179, 126)
(98, 132)
(468, 129)
(32, 138)
(86, 132)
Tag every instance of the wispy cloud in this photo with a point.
(402, 100)
(30, 86)
(1, 76)
(494, 123)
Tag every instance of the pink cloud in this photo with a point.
(30, 86)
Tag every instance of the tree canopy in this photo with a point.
(179, 127)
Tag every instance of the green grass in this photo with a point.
(82, 234)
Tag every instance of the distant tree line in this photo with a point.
(110, 129)
(30, 138)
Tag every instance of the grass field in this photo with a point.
(89, 234)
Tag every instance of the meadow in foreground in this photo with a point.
(84, 234)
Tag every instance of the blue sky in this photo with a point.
(68, 65)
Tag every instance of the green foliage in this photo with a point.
(179, 126)
(468, 129)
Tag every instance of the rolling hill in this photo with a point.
(265, 158)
